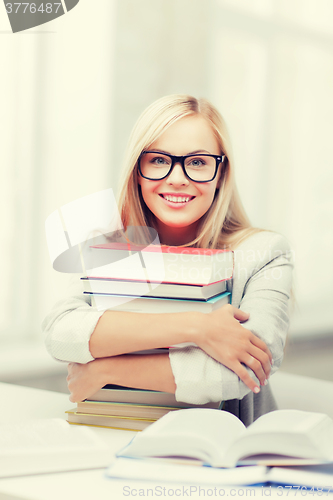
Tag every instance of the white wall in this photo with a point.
(273, 82)
(57, 97)
(72, 89)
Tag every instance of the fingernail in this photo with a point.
(256, 390)
(266, 382)
(272, 362)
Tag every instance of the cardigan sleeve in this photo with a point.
(199, 378)
(69, 325)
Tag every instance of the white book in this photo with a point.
(299, 481)
(49, 445)
(120, 394)
(142, 288)
(220, 439)
(316, 477)
(184, 472)
(158, 305)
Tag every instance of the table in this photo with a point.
(23, 403)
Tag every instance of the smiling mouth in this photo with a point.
(177, 199)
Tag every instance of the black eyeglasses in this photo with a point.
(155, 166)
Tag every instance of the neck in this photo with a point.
(176, 236)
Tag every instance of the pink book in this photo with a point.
(162, 264)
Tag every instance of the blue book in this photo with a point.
(157, 305)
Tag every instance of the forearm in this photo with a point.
(218, 333)
(120, 332)
(151, 372)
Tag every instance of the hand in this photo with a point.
(147, 371)
(227, 341)
(84, 380)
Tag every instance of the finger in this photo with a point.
(262, 357)
(255, 366)
(261, 344)
(75, 398)
(240, 315)
(245, 377)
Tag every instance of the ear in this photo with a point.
(219, 176)
(138, 176)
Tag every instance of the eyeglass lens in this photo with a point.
(198, 168)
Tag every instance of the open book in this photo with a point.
(49, 445)
(220, 439)
(316, 477)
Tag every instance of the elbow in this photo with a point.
(197, 376)
(69, 352)
(277, 346)
(68, 340)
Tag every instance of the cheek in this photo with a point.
(209, 194)
(143, 186)
(147, 189)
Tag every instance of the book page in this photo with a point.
(287, 421)
(162, 470)
(283, 432)
(49, 445)
(37, 436)
(313, 476)
(199, 433)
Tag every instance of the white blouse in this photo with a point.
(261, 286)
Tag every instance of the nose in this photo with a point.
(177, 176)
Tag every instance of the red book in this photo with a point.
(131, 247)
(161, 264)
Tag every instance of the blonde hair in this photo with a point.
(225, 224)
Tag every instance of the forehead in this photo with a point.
(192, 133)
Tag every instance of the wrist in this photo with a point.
(114, 370)
(146, 371)
(194, 327)
(105, 371)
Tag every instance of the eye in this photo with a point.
(159, 160)
(195, 162)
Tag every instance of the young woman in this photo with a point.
(179, 179)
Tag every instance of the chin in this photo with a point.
(178, 226)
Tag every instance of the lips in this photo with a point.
(176, 198)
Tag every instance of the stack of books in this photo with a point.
(126, 408)
(159, 279)
(153, 279)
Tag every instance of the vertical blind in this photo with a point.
(56, 95)
(71, 91)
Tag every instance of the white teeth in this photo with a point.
(175, 199)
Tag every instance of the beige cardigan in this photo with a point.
(261, 286)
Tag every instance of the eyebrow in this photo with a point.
(191, 153)
(199, 151)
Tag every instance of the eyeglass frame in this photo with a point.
(181, 160)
